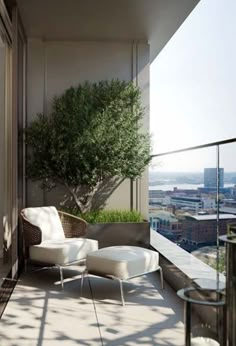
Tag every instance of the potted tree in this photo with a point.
(90, 142)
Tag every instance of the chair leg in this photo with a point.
(85, 272)
(161, 276)
(121, 292)
(61, 276)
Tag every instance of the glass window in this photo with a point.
(5, 154)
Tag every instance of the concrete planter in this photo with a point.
(120, 233)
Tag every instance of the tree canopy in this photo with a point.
(93, 134)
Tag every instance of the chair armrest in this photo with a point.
(73, 226)
(32, 234)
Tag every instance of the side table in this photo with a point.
(230, 242)
(206, 297)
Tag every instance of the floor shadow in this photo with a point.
(41, 314)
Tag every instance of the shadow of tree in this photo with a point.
(63, 199)
(40, 314)
(104, 191)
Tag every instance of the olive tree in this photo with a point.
(92, 136)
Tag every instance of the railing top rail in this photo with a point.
(226, 141)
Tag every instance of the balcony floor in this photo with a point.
(40, 314)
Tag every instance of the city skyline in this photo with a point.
(189, 179)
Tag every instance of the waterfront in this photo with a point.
(170, 187)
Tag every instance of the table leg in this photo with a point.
(187, 323)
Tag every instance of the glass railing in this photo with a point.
(192, 198)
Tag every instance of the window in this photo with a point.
(5, 152)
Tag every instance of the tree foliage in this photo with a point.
(93, 134)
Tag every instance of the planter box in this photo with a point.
(120, 233)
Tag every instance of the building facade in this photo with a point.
(201, 230)
(191, 203)
(210, 177)
(166, 223)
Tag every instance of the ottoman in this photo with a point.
(201, 341)
(122, 263)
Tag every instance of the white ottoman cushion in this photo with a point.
(47, 219)
(62, 251)
(202, 341)
(122, 262)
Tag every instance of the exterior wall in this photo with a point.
(209, 203)
(8, 157)
(2, 143)
(8, 164)
(54, 66)
(198, 232)
(210, 177)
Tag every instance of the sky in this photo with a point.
(193, 89)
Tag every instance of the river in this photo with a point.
(170, 187)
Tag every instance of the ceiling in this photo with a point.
(154, 21)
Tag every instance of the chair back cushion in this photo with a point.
(47, 219)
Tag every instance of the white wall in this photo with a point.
(54, 66)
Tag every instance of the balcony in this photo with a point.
(58, 56)
(39, 313)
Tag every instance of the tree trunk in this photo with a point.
(75, 198)
(83, 204)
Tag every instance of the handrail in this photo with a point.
(226, 141)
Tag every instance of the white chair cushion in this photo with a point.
(62, 251)
(123, 262)
(47, 219)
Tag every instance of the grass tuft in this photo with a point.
(106, 216)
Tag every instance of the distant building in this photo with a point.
(210, 177)
(228, 206)
(166, 223)
(208, 203)
(195, 204)
(199, 230)
(191, 203)
(157, 197)
(227, 191)
(229, 203)
(228, 210)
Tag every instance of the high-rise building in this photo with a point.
(210, 177)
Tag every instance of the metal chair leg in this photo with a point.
(121, 292)
(162, 281)
(61, 276)
(82, 281)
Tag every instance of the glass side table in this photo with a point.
(208, 297)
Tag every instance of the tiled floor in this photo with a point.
(40, 314)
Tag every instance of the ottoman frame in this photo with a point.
(116, 277)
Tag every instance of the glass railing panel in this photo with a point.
(227, 196)
(188, 194)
